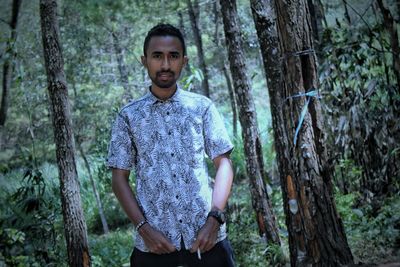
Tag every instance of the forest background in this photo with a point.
(102, 44)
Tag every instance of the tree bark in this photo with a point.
(222, 58)
(123, 71)
(317, 19)
(313, 19)
(390, 26)
(216, 12)
(231, 98)
(248, 120)
(346, 12)
(94, 187)
(194, 21)
(182, 28)
(74, 222)
(8, 65)
(316, 232)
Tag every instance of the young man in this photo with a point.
(164, 136)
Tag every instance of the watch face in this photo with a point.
(219, 215)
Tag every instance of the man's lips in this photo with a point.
(165, 75)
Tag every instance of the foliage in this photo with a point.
(30, 222)
(362, 104)
(373, 234)
(113, 249)
(113, 212)
(250, 249)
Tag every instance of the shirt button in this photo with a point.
(174, 175)
(167, 113)
(180, 221)
(177, 196)
(172, 154)
(169, 133)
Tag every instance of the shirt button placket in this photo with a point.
(167, 116)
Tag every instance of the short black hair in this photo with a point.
(164, 30)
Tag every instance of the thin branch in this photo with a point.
(361, 16)
(365, 11)
(4, 21)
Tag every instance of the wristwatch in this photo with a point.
(218, 215)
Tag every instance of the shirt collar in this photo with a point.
(174, 98)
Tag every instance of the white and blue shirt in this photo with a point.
(165, 142)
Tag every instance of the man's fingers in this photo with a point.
(209, 246)
(170, 248)
(162, 249)
(204, 246)
(195, 246)
(156, 241)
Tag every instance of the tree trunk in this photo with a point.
(216, 12)
(182, 28)
(313, 19)
(123, 72)
(8, 65)
(225, 68)
(317, 19)
(346, 12)
(391, 28)
(316, 232)
(248, 120)
(231, 98)
(194, 21)
(74, 222)
(95, 192)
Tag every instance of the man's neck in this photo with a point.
(163, 93)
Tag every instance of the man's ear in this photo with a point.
(143, 59)
(185, 60)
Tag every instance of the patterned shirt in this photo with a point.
(165, 141)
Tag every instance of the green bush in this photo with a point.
(113, 249)
(31, 226)
(371, 237)
(249, 248)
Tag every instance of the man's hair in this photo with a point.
(164, 30)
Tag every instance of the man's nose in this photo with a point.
(165, 63)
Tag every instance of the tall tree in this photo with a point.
(182, 29)
(94, 188)
(316, 232)
(123, 70)
(222, 59)
(346, 12)
(8, 65)
(317, 15)
(232, 97)
(74, 222)
(248, 120)
(194, 21)
(391, 28)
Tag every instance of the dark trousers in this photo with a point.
(221, 255)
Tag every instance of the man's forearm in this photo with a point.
(125, 196)
(223, 182)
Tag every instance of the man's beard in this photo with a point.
(164, 84)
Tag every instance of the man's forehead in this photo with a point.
(165, 44)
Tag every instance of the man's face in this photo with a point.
(164, 61)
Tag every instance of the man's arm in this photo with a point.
(154, 240)
(222, 187)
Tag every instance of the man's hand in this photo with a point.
(207, 236)
(155, 241)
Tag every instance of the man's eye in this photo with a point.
(174, 56)
(157, 56)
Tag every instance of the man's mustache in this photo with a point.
(159, 73)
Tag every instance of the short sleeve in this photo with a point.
(216, 138)
(121, 152)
